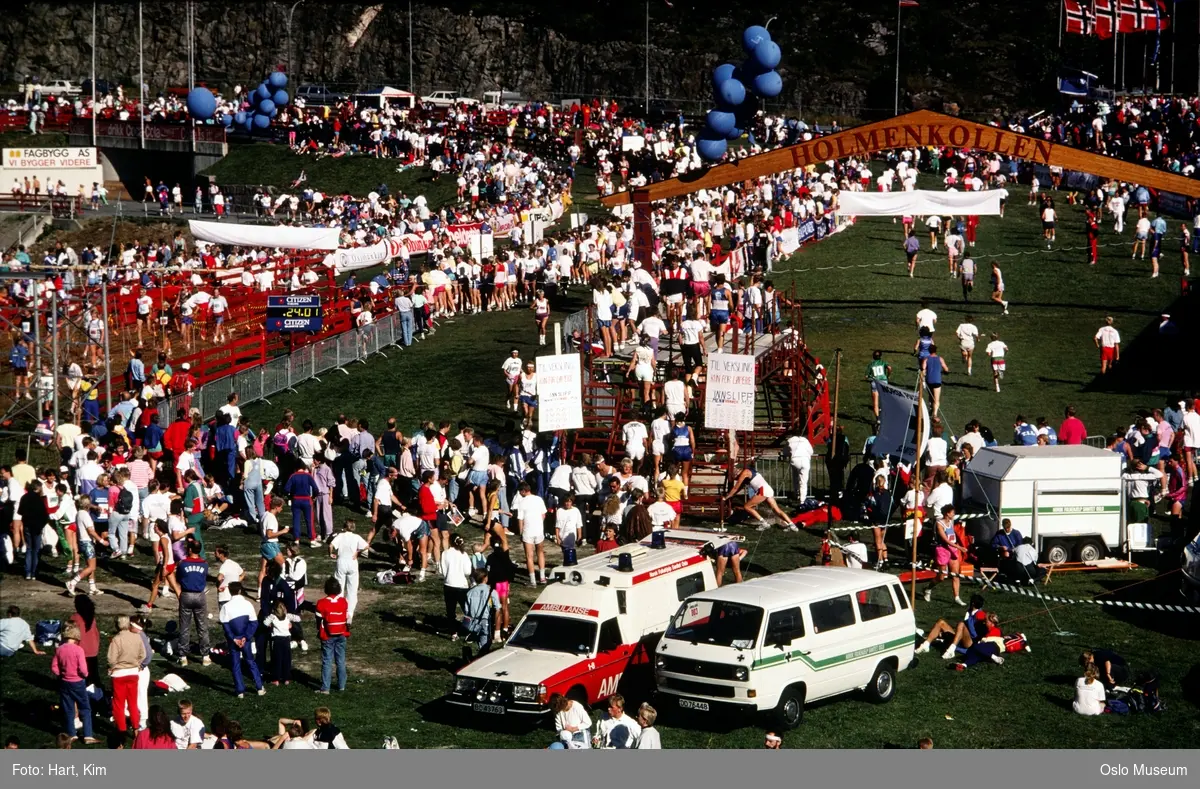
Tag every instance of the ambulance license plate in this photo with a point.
(495, 709)
(689, 704)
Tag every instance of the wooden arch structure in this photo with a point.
(915, 129)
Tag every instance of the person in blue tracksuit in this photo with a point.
(240, 621)
(302, 488)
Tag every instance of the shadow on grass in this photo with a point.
(1059, 701)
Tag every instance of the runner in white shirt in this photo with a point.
(926, 318)
(635, 436)
(967, 333)
(800, 449)
(512, 372)
(995, 351)
(1108, 340)
(530, 510)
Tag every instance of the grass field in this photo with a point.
(275, 165)
(857, 298)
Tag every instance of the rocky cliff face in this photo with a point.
(835, 62)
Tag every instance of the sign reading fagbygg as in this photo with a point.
(49, 158)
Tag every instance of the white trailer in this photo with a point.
(1068, 499)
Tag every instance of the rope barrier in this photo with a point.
(984, 256)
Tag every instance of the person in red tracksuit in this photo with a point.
(1093, 236)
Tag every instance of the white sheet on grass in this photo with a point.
(918, 203)
(266, 235)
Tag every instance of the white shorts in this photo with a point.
(635, 453)
(967, 346)
(656, 446)
(766, 491)
(674, 298)
(533, 538)
(644, 372)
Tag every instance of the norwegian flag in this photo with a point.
(1142, 16)
(1079, 18)
(1103, 18)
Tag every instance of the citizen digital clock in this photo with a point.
(294, 313)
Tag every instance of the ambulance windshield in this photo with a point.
(718, 623)
(555, 634)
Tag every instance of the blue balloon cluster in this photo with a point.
(736, 90)
(265, 101)
(201, 104)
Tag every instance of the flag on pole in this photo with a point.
(1080, 19)
(909, 4)
(1142, 16)
(1103, 18)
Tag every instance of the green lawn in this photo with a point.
(264, 164)
(400, 666)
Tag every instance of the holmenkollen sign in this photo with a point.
(941, 133)
(72, 158)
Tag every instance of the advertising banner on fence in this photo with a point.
(898, 423)
(729, 392)
(49, 158)
(559, 392)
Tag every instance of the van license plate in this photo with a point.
(689, 704)
(494, 709)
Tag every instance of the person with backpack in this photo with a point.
(481, 613)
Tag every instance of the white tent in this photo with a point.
(919, 203)
(279, 236)
(380, 97)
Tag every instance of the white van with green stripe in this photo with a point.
(778, 642)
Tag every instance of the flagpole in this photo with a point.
(899, 8)
(647, 57)
(1061, 3)
(93, 80)
(1174, 16)
(141, 82)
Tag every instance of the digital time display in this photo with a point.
(294, 313)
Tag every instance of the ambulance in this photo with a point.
(777, 643)
(594, 622)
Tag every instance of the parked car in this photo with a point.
(447, 98)
(183, 90)
(319, 95)
(53, 87)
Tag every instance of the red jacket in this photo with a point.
(428, 505)
(174, 438)
(331, 617)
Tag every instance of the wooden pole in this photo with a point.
(916, 487)
(837, 385)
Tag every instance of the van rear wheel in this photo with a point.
(883, 685)
(789, 713)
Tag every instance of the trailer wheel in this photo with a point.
(789, 713)
(1057, 551)
(1090, 551)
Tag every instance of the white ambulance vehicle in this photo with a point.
(778, 642)
(594, 622)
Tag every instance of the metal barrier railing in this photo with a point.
(285, 372)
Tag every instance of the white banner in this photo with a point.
(49, 158)
(729, 392)
(266, 235)
(898, 423)
(559, 393)
(919, 203)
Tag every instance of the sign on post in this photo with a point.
(897, 435)
(559, 392)
(49, 158)
(729, 392)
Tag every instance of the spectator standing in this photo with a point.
(125, 656)
(346, 548)
(70, 666)
(240, 621)
(84, 618)
(1072, 430)
(1108, 340)
(333, 629)
(192, 574)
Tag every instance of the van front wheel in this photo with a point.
(789, 713)
(883, 685)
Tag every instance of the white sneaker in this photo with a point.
(183, 662)
(928, 595)
(421, 577)
(294, 645)
(71, 587)
(949, 654)
(959, 601)
(54, 553)
(921, 650)
(207, 661)
(999, 661)
(262, 691)
(303, 646)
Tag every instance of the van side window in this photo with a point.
(621, 602)
(832, 613)
(903, 598)
(689, 585)
(784, 626)
(610, 635)
(875, 603)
